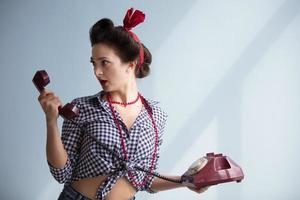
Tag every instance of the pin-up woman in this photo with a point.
(111, 149)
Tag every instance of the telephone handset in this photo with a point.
(40, 80)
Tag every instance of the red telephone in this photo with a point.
(40, 80)
(212, 170)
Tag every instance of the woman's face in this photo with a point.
(111, 72)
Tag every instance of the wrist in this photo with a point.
(51, 121)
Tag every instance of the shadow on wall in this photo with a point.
(226, 106)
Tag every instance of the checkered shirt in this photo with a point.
(86, 158)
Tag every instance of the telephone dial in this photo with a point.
(40, 80)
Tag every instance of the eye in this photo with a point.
(104, 62)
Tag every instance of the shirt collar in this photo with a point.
(144, 116)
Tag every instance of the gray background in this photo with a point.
(227, 73)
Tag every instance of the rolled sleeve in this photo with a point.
(61, 175)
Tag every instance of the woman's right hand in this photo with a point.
(50, 103)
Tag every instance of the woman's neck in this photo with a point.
(126, 94)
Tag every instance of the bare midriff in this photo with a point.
(122, 190)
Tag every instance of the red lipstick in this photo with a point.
(103, 82)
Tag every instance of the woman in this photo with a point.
(117, 131)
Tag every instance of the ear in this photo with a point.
(132, 65)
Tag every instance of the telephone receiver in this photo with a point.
(212, 169)
(40, 80)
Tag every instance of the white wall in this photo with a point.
(227, 73)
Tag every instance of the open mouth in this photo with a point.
(103, 82)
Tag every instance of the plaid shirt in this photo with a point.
(86, 158)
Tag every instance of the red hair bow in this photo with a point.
(133, 18)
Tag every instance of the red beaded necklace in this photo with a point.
(123, 140)
(126, 103)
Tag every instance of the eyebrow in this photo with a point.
(100, 58)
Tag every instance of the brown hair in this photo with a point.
(104, 31)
